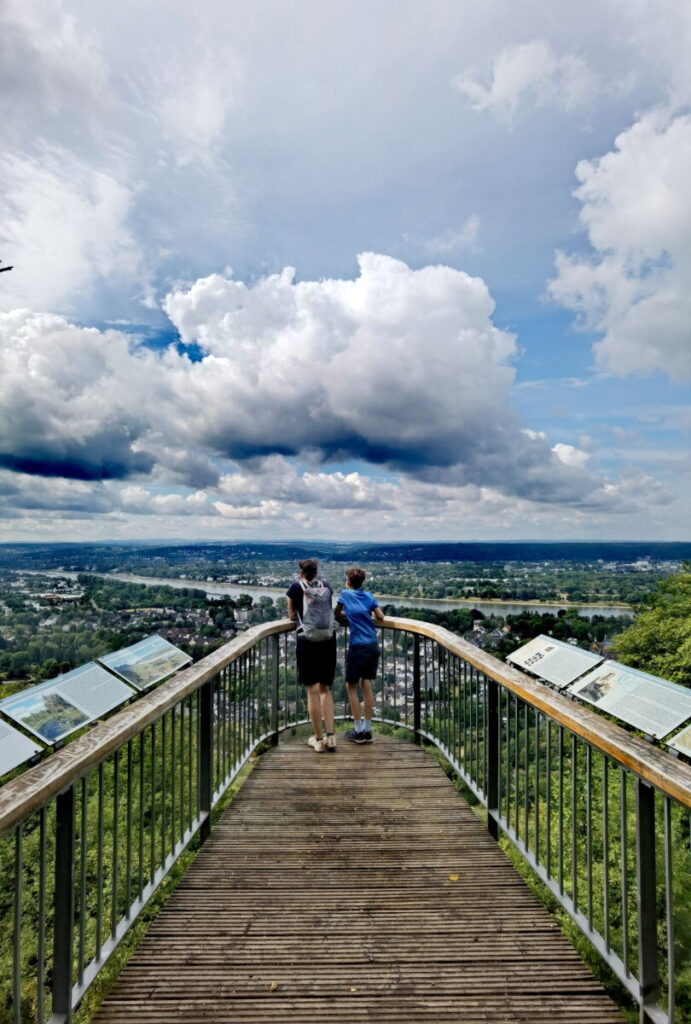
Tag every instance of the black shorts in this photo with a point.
(316, 661)
(361, 662)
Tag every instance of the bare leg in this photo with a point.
(354, 701)
(327, 706)
(314, 708)
(368, 698)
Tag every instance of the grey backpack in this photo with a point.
(317, 621)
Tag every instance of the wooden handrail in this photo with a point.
(671, 776)
(35, 787)
(25, 794)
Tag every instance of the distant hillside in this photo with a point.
(103, 557)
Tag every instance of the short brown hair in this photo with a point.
(309, 568)
(356, 577)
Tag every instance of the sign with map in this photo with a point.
(15, 748)
(682, 741)
(553, 660)
(54, 709)
(146, 663)
(653, 705)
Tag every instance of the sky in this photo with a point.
(356, 271)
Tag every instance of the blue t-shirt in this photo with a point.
(358, 605)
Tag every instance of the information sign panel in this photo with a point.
(646, 702)
(60, 706)
(15, 748)
(553, 660)
(682, 741)
(147, 662)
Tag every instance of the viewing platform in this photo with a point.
(355, 886)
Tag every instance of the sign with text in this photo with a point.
(54, 709)
(15, 748)
(553, 660)
(682, 741)
(146, 663)
(653, 705)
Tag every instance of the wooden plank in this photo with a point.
(324, 895)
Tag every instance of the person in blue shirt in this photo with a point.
(358, 609)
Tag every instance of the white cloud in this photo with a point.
(530, 72)
(454, 240)
(636, 287)
(193, 94)
(400, 368)
(570, 455)
(65, 225)
(48, 63)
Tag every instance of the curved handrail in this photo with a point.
(28, 792)
(34, 788)
(666, 773)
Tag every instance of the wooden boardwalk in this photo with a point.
(325, 894)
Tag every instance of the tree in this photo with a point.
(659, 641)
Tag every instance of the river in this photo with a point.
(486, 607)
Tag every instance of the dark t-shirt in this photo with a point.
(295, 593)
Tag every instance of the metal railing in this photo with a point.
(88, 835)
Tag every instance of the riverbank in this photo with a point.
(491, 606)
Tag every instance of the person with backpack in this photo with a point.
(310, 607)
(355, 609)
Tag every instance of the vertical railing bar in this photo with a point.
(624, 871)
(82, 877)
(509, 788)
(224, 724)
(516, 776)
(574, 819)
(474, 710)
(128, 851)
(140, 845)
(526, 791)
(548, 800)
(193, 754)
(560, 822)
(152, 822)
(173, 778)
(206, 703)
(646, 893)
(99, 861)
(17, 911)
(116, 848)
(164, 785)
(416, 688)
(465, 715)
(41, 945)
(63, 914)
(538, 759)
(669, 910)
(589, 832)
(181, 768)
(605, 850)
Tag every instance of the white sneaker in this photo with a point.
(330, 743)
(316, 744)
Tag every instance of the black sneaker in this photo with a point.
(358, 736)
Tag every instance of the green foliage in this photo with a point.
(659, 641)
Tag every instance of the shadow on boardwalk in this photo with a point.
(324, 895)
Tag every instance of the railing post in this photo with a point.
(206, 755)
(492, 748)
(63, 930)
(273, 669)
(416, 690)
(646, 887)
